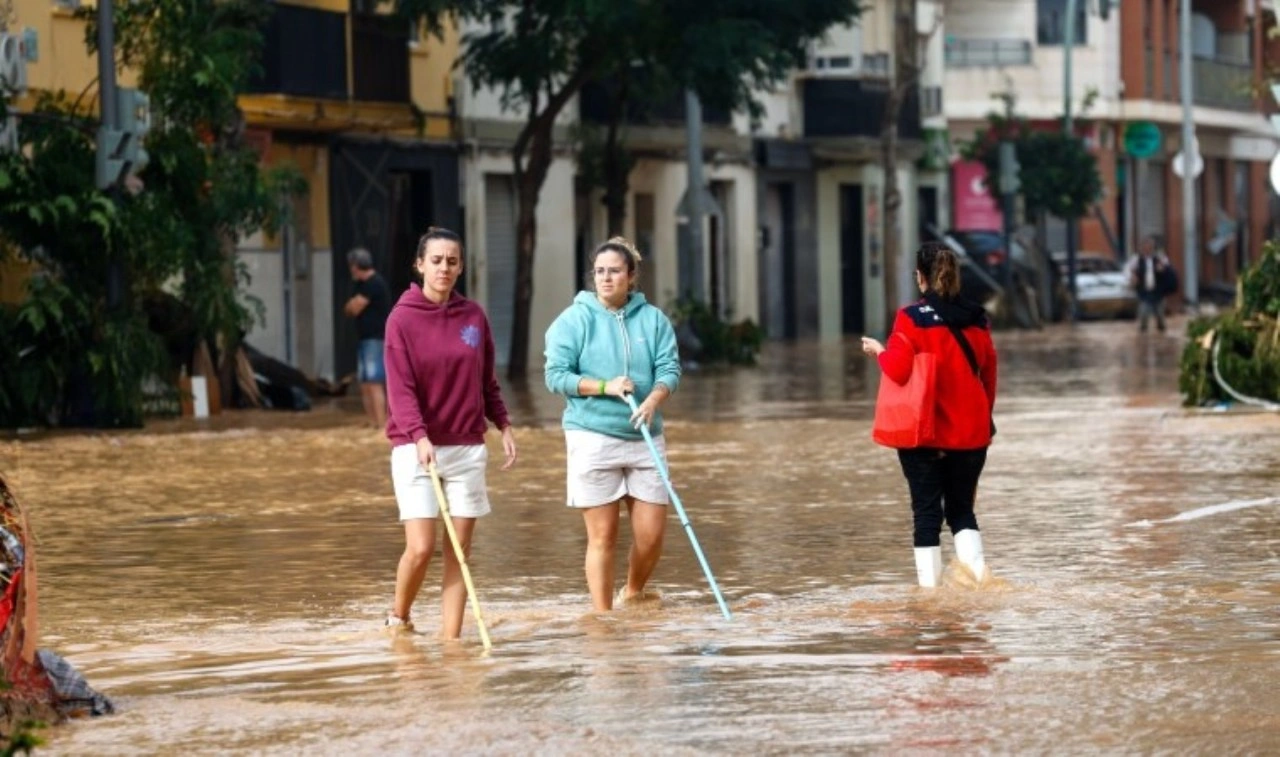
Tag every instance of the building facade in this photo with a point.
(1128, 66)
(368, 121)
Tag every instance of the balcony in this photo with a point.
(986, 53)
(380, 58)
(305, 55)
(1216, 82)
(855, 108)
(1222, 84)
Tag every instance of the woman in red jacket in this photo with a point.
(943, 477)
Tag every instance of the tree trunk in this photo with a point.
(892, 245)
(529, 182)
(617, 176)
(906, 73)
(535, 141)
(616, 164)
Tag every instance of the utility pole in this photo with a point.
(1068, 127)
(1009, 183)
(692, 256)
(107, 66)
(1190, 156)
(108, 131)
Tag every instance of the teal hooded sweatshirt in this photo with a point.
(588, 340)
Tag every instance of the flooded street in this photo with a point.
(226, 583)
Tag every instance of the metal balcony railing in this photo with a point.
(1222, 84)
(976, 53)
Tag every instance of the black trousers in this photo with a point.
(944, 484)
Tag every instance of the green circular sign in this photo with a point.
(1142, 139)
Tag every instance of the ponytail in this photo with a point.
(940, 267)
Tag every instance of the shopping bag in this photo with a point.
(905, 412)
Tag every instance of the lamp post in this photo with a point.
(1068, 128)
(1190, 246)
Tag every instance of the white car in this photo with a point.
(1102, 284)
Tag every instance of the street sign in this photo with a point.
(1142, 139)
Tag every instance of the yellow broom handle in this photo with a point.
(462, 558)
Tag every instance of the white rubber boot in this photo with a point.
(969, 551)
(929, 566)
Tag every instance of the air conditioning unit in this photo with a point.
(67, 5)
(13, 64)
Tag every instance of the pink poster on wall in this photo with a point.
(974, 206)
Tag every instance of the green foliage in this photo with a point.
(1260, 284)
(722, 341)
(1248, 340)
(80, 357)
(1058, 174)
(23, 740)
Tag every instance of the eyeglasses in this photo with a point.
(599, 272)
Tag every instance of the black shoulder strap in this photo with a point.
(968, 348)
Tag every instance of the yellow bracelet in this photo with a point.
(602, 385)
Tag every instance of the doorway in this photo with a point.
(852, 294)
(410, 213)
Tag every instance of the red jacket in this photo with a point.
(964, 401)
(441, 382)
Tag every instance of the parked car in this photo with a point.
(1102, 285)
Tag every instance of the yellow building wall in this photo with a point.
(313, 162)
(431, 62)
(13, 280)
(64, 61)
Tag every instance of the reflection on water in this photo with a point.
(225, 582)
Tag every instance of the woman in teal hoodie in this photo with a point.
(609, 343)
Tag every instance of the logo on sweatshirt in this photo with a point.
(471, 336)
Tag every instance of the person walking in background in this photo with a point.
(1153, 278)
(943, 476)
(609, 343)
(442, 390)
(369, 306)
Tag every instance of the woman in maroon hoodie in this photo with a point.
(943, 477)
(441, 391)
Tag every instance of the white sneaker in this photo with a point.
(395, 623)
(929, 566)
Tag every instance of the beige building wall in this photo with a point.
(871, 178)
(554, 265)
(666, 181)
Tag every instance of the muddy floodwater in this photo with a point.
(225, 582)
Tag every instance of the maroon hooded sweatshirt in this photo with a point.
(441, 382)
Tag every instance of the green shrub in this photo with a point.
(1248, 339)
(722, 341)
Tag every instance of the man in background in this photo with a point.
(1153, 278)
(369, 306)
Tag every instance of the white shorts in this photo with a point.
(604, 469)
(462, 474)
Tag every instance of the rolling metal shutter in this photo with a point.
(500, 257)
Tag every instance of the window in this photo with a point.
(1051, 22)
